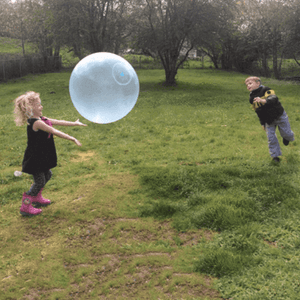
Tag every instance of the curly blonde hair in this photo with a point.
(23, 107)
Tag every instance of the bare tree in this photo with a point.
(267, 26)
(166, 29)
(120, 26)
(5, 17)
(215, 36)
(293, 33)
(89, 26)
(12, 16)
(234, 34)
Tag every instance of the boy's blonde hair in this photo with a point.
(23, 107)
(253, 78)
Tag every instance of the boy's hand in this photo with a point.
(79, 123)
(259, 100)
(263, 127)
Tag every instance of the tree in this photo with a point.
(278, 17)
(265, 25)
(38, 22)
(219, 37)
(12, 17)
(293, 34)
(70, 25)
(166, 29)
(5, 13)
(89, 26)
(208, 35)
(121, 24)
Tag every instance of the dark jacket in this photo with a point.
(269, 112)
(40, 154)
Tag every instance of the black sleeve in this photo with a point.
(272, 100)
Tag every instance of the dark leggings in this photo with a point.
(40, 180)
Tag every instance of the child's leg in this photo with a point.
(274, 147)
(39, 183)
(40, 180)
(48, 176)
(285, 128)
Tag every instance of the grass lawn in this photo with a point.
(13, 47)
(178, 200)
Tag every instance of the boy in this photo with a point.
(271, 114)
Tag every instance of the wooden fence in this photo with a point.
(16, 68)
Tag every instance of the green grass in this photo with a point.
(179, 199)
(13, 47)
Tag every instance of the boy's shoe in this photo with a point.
(285, 142)
(39, 200)
(27, 209)
(276, 159)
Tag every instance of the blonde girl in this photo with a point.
(40, 154)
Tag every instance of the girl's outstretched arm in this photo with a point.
(65, 123)
(40, 125)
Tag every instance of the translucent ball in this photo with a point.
(104, 87)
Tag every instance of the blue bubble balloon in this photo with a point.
(104, 87)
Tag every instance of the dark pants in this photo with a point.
(40, 180)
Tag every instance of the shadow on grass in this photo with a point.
(217, 197)
(185, 93)
(235, 200)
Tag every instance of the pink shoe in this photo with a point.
(27, 209)
(39, 200)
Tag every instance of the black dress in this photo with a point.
(40, 154)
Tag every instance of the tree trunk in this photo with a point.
(265, 67)
(56, 51)
(77, 50)
(295, 59)
(22, 33)
(170, 77)
(275, 66)
(276, 69)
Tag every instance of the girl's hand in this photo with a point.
(77, 142)
(79, 123)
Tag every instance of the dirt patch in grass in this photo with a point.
(99, 252)
(84, 156)
(145, 268)
(271, 244)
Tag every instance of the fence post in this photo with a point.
(20, 67)
(3, 64)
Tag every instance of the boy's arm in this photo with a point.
(273, 99)
(259, 100)
(65, 123)
(270, 97)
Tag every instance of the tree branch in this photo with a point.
(297, 62)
